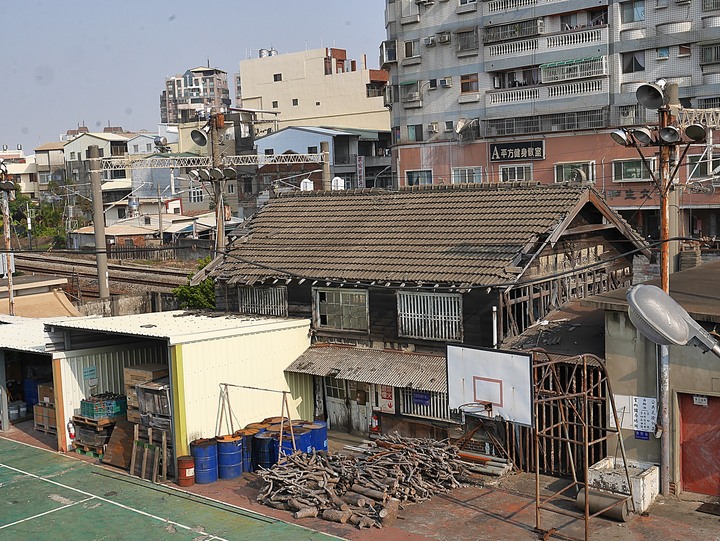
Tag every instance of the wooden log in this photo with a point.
(306, 512)
(371, 493)
(295, 505)
(354, 499)
(391, 511)
(336, 515)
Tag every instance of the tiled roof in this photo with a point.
(382, 367)
(455, 235)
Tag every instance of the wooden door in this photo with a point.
(700, 443)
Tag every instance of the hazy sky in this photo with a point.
(74, 62)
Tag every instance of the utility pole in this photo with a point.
(217, 121)
(160, 219)
(7, 188)
(326, 178)
(99, 222)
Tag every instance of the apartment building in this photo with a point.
(319, 87)
(529, 90)
(197, 89)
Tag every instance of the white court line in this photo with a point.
(45, 513)
(122, 506)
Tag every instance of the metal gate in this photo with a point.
(700, 443)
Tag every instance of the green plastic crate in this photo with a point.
(98, 409)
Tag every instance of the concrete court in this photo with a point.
(48, 496)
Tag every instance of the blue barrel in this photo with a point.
(318, 430)
(247, 447)
(265, 450)
(230, 460)
(204, 451)
(303, 441)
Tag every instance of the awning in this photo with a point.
(408, 83)
(381, 367)
(51, 304)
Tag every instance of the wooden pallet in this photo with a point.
(88, 450)
(99, 423)
(149, 461)
(45, 428)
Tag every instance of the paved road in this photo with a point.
(49, 496)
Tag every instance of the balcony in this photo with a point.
(549, 92)
(501, 6)
(563, 41)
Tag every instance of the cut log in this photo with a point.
(306, 512)
(354, 499)
(391, 511)
(335, 515)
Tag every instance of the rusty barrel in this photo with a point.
(204, 451)
(230, 459)
(186, 471)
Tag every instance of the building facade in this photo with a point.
(507, 90)
(320, 87)
(197, 89)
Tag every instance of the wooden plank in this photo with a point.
(134, 449)
(119, 450)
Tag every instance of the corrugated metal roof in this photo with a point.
(381, 367)
(23, 334)
(180, 326)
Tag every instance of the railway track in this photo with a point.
(121, 276)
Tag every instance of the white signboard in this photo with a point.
(635, 412)
(488, 376)
(386, 401)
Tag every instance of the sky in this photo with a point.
(96, 63)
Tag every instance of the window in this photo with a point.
(269, 151)
(633, 11)
(697, 167)
(415, 132)
(632, 170)
(467, 41)
(388, 51)
(449, 125)
(427, 404)
(432, 84)
(431, 316)
(710, 54)
(467, 175)
(469, 83)
(466, 2)
(684, 50)
(575, 172)
(312, 150)
(196, 194)
(335, 388)
(275, 104)
(412, 48)
(418, 178)
(341, 309)
(569, 21)
(632, 62)
(72, 155)
(136, 148)
(663, 53)
(231, 188)
(295, 102)
(277, 77)
(121, 213)
(266, 301)
(515, 173)
(147, 221)
(148, 147)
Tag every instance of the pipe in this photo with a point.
(494, 327)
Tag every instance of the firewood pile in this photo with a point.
(365, 489)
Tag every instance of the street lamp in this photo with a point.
(662, 96)
(8, 192)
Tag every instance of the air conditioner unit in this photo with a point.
(444, 37)
(430, 41)
(446, 82)
(433, 127)
(412, 96)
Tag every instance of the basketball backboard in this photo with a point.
(500, 381)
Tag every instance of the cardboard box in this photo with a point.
(133, 415)
(46, 393)
(141, 373)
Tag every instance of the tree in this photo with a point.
(199, 296)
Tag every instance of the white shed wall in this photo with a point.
(253, 359)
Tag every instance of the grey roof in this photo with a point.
(443, 234)
(381, 367)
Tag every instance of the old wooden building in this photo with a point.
(414, 270)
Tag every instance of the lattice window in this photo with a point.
(266, 301)
(430, 316)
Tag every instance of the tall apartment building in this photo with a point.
(529, 90)
(196, 89)
(319, 87)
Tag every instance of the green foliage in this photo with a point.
(199, 296)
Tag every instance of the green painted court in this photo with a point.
(46, 495)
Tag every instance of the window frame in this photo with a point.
(413, 47)
(588, 167)
(469, 83)
(624, 179)
(701, 172)
(636, 61)
(264, 301)
(632, 11)
(422, 177)
(196, 194)
(527, 169)
(420, 315)
(342, 303)
(459, 175)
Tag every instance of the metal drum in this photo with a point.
(247, 450)
(258, 426)
(303, 442)
(230, 460)
(186, 471)
(204, 451)
(265, 450)
(319, 437)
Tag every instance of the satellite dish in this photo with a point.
(337, 183)
(199, 137)
(460, 125)
(307, 185)
(160, 141)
